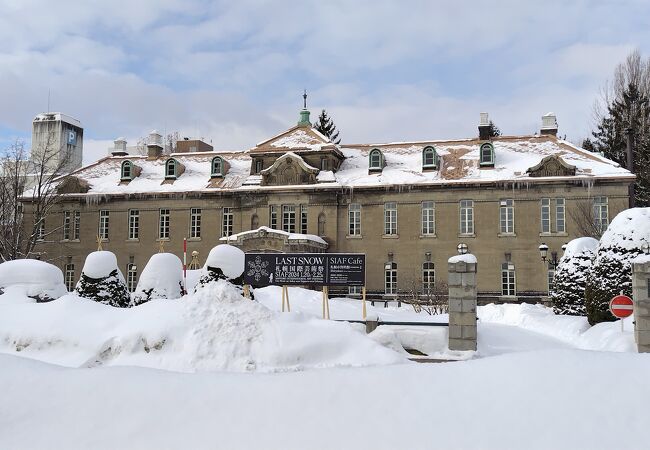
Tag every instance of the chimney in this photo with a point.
(119, 148)
(155, 145)
(549, 124)
(484, 127)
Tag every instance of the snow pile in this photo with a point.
(568, 289)
(100, 264)
(228, 258)
(214, 329)
(611, 273)
(161, 278)
(467, 259)
(31, 278)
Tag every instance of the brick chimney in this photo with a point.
(484, 127)
(549, 124)
(155, 145)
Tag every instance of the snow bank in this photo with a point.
(228, 258)
(629, 230)
(162, 277)
(100, 264)
(215, 329)
(31, 278)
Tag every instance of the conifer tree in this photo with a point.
(109, 290)
(494, 130)
(325, 125)
(568, 288)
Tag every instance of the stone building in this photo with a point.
(57, 142)
(406, 205)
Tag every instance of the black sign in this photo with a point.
(321, 269)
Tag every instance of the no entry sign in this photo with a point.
(621, 306)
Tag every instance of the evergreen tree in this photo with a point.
(325, 125)
(110, 290)
(568, 289)
(494, 130)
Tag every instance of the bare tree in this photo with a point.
(586, 223)
(432, 300)
(32, 181)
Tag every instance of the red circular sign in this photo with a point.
(621, 306)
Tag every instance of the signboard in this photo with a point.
(621, 306)
(320, 269)
(72, 137)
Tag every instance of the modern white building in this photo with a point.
(57, 142)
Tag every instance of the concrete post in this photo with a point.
(641, 297)
(462, 302)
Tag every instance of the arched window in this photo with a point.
(127, 171)
(170, 168)
(376, 160)
(255, 222)
(429, 158)
(217, 167)
(390, 278)
(428, 278)
(321, 224)
(487, 155)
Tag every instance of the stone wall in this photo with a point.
(462, 304)
(641, 297)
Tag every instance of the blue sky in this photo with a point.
(233, 72)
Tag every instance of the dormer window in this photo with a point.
(259, 164)
(376, 160)
(429, 158)
(487, 154)
(217, 167)
(126, 173)
(170, 169)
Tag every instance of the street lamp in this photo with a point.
(553, 261)
(543, 250)
(462, 248)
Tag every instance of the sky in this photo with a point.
(233, 72)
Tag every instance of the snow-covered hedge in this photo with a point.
(102, 281)
(568, 290)
(224, 262)
(611, 272)
(36, 279)
(161, 278)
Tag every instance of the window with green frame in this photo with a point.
(217, 167)
(375, 160)
(170, 168)
(487, 154)
(429, 158)
(126, 172)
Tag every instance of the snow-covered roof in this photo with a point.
(292, 237)
(458, 163)
(57, 116)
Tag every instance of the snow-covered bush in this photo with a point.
(102, 281)
(161, 278)
(224, 262)
(568, 290)
(36, 279)
(611, 272)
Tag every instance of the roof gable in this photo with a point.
(296, 138)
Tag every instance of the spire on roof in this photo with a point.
(304, 113)
(304, 96)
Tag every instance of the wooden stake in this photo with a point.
(99, 243)
(363, 302)
(247, 291)
(324, 301)
(161, 247)
(327, 300)
(286, 294)
(282, 298)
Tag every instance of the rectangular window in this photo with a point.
(507, 216)
(40, 231)
(131, 277)
(227, 222)
(601, 213)
(103, 223)
(428, 218)
(69, 277)
(508, 279)
(289, 218)
(134, 223)
(273, 217)
(390, 278)
(303, 219)
(546, 215)
(258, 165)
(466, 217)
(195, 223)
(428, 278)
(324, 164)
(560, 223)
(163, 224)
(354, 219)
(354, 290)
(76, 228)
(550, 276)
(390, 218)
(67, 225)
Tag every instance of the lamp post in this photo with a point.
(552, 261)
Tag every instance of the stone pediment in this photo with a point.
(552, 166)
(296, 138)
(289, 169)
(265, 239)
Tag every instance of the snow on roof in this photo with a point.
(467, 258)
(290, 236)
(57, 116)
(459, 163)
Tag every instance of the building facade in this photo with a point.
(57, 142)
(408, 206)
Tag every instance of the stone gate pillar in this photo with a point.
(641, 297)
(462, 302)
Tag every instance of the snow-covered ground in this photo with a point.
(78, 374)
